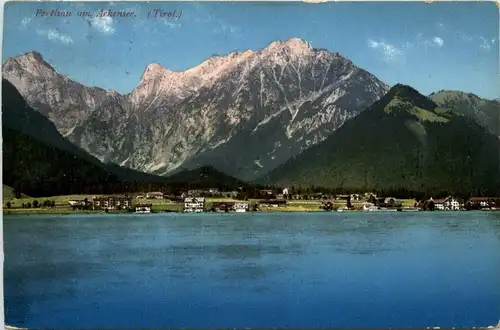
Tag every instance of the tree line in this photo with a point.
(34, 204)
(115, 186)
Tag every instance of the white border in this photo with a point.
(2, 314)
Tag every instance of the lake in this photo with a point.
(374, 269)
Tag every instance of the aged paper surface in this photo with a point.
(183, 164)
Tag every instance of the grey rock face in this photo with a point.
(244, 113)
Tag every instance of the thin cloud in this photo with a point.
(172, 24)
(422, 41)
(391, 52)
(103, 24)
(486, 44)
(482, 42)
(199, 15)
(408, 45)
(218, 26)
(25, 22)
(438, 41)
(54, 35)
(225, 28)
(464, 36)
(388, 51)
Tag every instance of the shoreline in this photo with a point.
(60, 205)
(491, 327)
(267, 210)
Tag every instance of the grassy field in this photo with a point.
(291, 208)
(62, 205)
(408, 202)
(44, 210)
(8, 193)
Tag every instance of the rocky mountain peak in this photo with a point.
(278, 100)
(112, 92)
(153, 71)
(291, 48)
(36, 56)
(31, 61)
(293, 44)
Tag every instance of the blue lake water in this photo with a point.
(393, 269)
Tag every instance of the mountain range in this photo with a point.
(18, 116)
(404, 141)
(39, 161)
(286, 114)
(276, 102)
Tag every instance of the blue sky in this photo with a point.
(428, 46)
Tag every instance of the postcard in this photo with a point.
(251, 164)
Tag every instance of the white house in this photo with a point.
(367, 206)
(438, 203)
(143, 209)
(355, 197)
(453, 204)
(368, 195)
(483, 202)
(241, 207)
(391, 201)
(194, 204)
(76, 202)
(448, 204)
(154, 195)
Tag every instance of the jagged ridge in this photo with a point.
(273, 102)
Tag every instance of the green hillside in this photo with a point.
(402, 142)
(37, 169)
(484, 112)
(9, 193)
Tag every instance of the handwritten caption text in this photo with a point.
(155, 13)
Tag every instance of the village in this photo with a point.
(214, 200)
